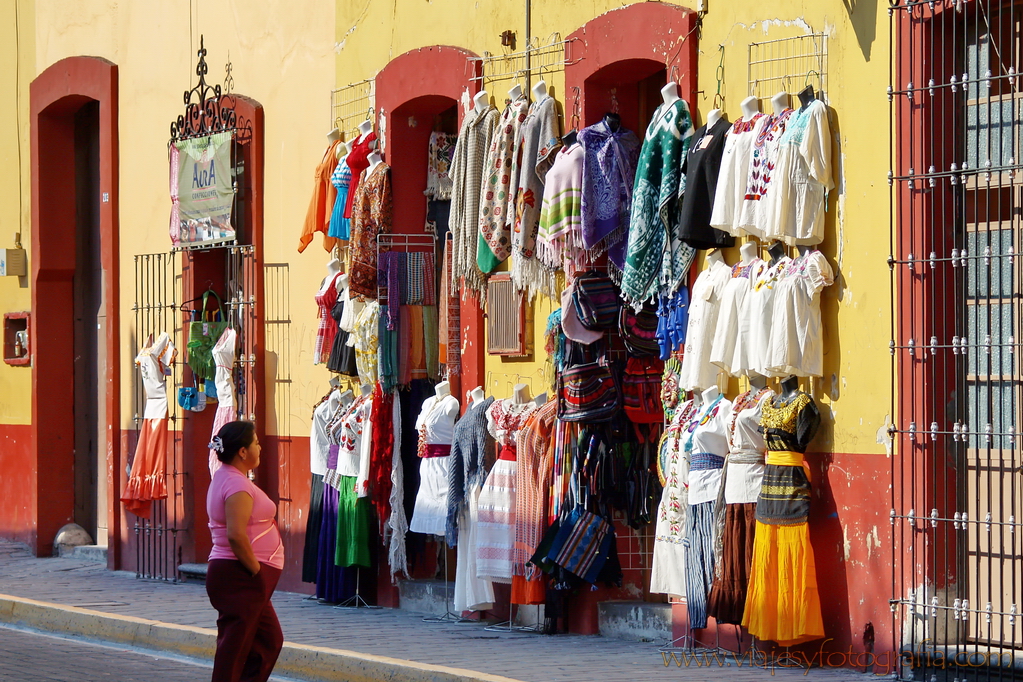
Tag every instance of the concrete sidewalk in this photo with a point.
(83, 599)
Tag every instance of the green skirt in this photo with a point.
(352, 526)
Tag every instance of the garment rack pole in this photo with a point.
(449, 616)
(356, 601)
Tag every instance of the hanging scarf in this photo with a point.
(540, 139)
(380, 453)
(609, 172)
(498, 204)
(655, 257)
(397, 558)
(438, 180)
(467, 179)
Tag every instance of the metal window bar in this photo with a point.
(351, 105)
(956, 204)
(788, 64)
(241, 302)
(533, 62)
(277, 292)
(155, 310)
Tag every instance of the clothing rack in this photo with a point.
(406, 243)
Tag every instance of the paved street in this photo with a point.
(31, 657)
(385, 632)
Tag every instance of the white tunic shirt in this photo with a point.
(802, 178)
(438, 415)
(730, 349)
(759, 310)
(797, 339)
(697, 371)
(734, 172)
(155, 363)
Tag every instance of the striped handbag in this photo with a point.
(582, 544)
(596, 301)
(587, 391)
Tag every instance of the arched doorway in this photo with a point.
(75, 276)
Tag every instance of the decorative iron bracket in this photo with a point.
(207, 110)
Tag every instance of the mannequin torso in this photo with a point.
(780, 103)
(714, 257)
(776, 250)
(748, 251)
(374, 160)
(477, 395)
(539, 91)
(713, 117)
(481, 102)
(515, 92)
(789, 389)
(750, 108)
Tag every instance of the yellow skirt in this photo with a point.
(782, 603)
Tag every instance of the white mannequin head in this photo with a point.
(481, 102)
(669, 93)
(750, 108)
(333, 266)
(748, 251)
(713, 117)
(539, 91)
(780, 102)
(366, 389)
(334, 135)
(515, 92)
(715, 256)
(520, 394)
(342, 282)
(476, 395)
(709, 394)
(442, 390)
(365, 128)
(375, 160)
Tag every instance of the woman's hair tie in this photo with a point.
(217, 445)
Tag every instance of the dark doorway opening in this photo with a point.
(631, 87)
(90, 322)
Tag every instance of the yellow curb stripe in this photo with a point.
(296, 660)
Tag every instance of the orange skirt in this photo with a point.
(148, 480)
(782, 602)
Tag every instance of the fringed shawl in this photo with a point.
(497, 205)
(609, 172)
(467, 180)
(540, 139)
(467, 467)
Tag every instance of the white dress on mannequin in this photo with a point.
(437, 419)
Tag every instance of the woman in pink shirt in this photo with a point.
(245, 563)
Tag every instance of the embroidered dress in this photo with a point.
(702, 167)
(532, 484)
(655, 259)
(761, 171)
(358, 161)
(354, 439)
(436, 426)
(496, 531)
(147, 480)
(367, 343)
(802, 178)
(325, 298)
(223, 355)
(609, 173)
(317, 217)
(783, 604)
(474, 140)
(540, 140)
(735, 507)
(735, 163)
(438, 166)
(341, 178)
(797, 340)
(559, 242)
(697, 371)
(471, 441)
(342, 353)
(371, 216)
(497, 207)
(668, 569)
(730, 350)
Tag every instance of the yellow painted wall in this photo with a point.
(854, 391)
(281, 56)
(17, 39)
(289, 55)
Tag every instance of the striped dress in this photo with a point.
(341, 178)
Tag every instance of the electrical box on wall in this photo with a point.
(16, 333)
(12, 263)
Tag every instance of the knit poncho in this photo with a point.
(559, 238)
(467, 468)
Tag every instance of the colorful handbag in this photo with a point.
(641, 390)
(596, 301)
(639, 330)
(587, 391)
(582, 544)
(191, 398)
(203, 334)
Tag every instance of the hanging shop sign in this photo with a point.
(202, 190)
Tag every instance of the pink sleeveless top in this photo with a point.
(262, 529)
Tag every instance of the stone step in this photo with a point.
(431, 597)
(96, 554)
(194, 573)
(637, 621)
